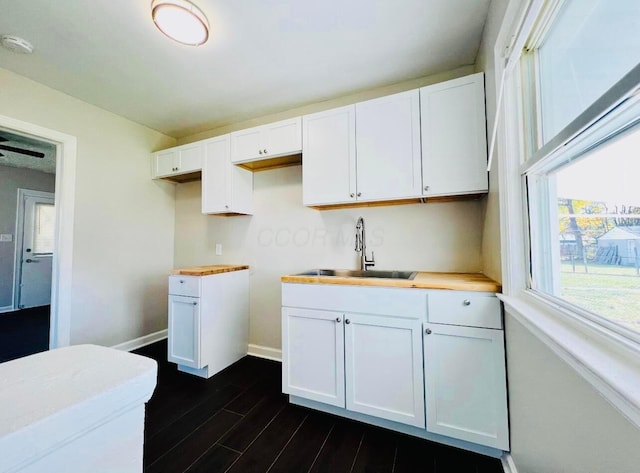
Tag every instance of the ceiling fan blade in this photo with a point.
(28, 152)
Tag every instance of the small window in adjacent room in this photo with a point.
(44, 229)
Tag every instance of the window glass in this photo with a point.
(590, 46)
(596, 237)
(43, 228)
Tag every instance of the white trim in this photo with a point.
(61, 280)
(508, 465)
(608, 363)
(6, 308)
(19, 241)
(142, 341)
(265, 352)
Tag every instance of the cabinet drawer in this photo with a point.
(184, 286)
(464, 308)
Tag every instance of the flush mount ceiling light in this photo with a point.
(16, 44)
(181, 21)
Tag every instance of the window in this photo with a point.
(43, 228)
(582, 167)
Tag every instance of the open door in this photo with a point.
(35, 253)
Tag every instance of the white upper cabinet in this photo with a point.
(454, 143)
(181, 160)
(329, 158)
(268, 141)
(388, 147)
(226, 189)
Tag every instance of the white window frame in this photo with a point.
(602, 355)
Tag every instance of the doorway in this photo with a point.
(61, 258)
(35, 233)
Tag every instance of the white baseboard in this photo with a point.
(265, 352)
(508, 464)
(6, 308)
(142, 341)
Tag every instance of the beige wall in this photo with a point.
(12, 179)
(559, 423)
(284, 237)
(123, 235)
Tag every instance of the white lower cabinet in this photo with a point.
(208, 321)
(366, 363)
(383, 368)
(465, 384)
(313, 355)
(429, 363)
(184, 331)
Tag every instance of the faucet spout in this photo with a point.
(361, 246)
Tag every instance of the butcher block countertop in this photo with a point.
(423, 280)
(208, 270)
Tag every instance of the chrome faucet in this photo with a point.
(361, 246)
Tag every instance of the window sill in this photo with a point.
(609, 362)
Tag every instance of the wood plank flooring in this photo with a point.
(24, 332)
(239, 421)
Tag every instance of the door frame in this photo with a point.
(65, 186)
(19, 233)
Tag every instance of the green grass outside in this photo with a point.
(610, 291)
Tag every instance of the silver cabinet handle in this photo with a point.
(426, 188)
(428, 331)
(338, 319)
(182, 281)
(347, 321)
(29, 260)
(195, 303)
(466, 302)
(352, 195)
(359, 194)
(265, 151)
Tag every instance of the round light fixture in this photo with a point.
(181, 21)
(16, 44)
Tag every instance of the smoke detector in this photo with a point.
(16, 44)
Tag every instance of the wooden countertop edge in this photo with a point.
(449, 281)
(208, 270)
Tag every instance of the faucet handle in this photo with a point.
(370, 262)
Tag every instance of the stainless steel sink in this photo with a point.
(354, 273)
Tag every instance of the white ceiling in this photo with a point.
(263, 56)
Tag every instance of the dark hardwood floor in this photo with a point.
(239, 421)
(24, 332)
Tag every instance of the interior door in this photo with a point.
(38, 242)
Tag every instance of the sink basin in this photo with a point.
(354, 273)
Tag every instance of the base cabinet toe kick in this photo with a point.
(428, 363)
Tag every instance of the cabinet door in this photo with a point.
(383, 367)
(215, 170)
(466, 384)
(283, 137)
(246, 145)
(184, 331)
(329, 157)
(165, 162)
(454, 143)
(313, 355)
(388, 147)
(190, 158)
